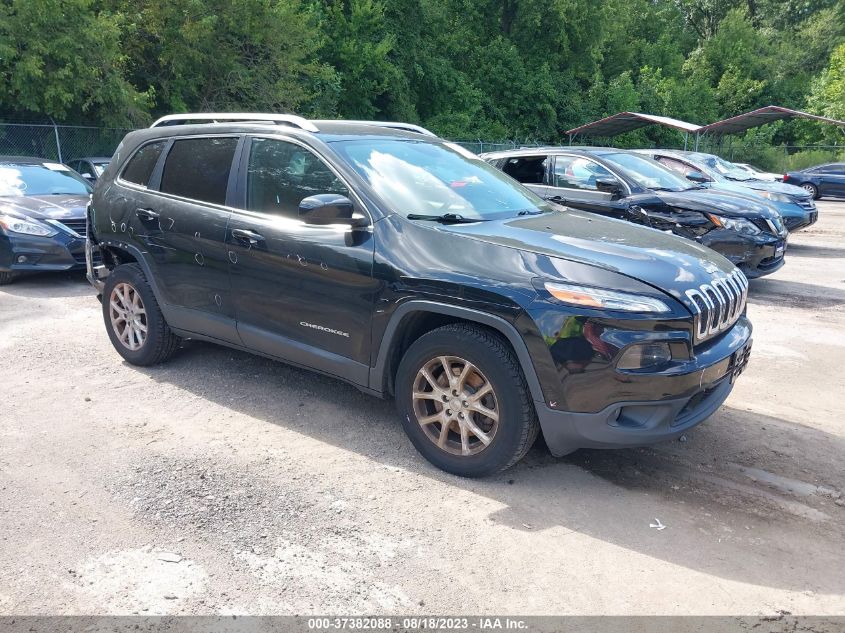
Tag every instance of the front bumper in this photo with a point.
(682, 401)
(796, 223)
(29, 253)
(754, 255)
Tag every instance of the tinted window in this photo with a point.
(831, 169)
(40, 179)
(428, 178)
(648, 173)
(198, 168)
(576, 172)
(527, 169)
(675, 165)
(281, 174)
(141, 165)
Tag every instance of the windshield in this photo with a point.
(726, 169)
(433, 179)
(648, 173)
(43, 179)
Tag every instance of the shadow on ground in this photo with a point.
(813, 250)
(781, 292)
(727, 531)
(59, 284)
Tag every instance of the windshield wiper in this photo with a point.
(446, 218)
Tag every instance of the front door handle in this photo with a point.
(251, 237)
(146, 214)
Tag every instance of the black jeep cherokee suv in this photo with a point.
(406, 266)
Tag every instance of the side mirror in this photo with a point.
(609, 185)
(330, 208)
(696, 176)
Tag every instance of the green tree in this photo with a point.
(64, 59)
(220, 55)
(828, 93)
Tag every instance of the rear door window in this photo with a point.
(577, 172)
(140, 167)
(198, 168)
(529, 170)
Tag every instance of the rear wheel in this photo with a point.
(464, 401)
(134, 321)
(811, 189)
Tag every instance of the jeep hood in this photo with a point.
(57, 207)
(667, 262)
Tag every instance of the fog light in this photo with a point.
(21, 259)
(645, 356)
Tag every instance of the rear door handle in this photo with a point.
(146, 214)
(251, 237)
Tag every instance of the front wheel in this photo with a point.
(134, 321)
(464, 401)
(6, 278)
(811, 189)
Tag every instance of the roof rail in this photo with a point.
(395, 125)
(246, 117)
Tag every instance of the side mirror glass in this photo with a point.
(330, 208)
(609, 185)
(87, 176)
(696, 176)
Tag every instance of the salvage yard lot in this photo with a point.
(226, 483)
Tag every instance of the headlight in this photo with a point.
(774, 196)
(604, 299)
(25, 226)
(740, 225)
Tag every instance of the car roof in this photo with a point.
(328, 131)
(554, 149)
(26, 160)
(95, 159)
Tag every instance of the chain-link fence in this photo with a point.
(67, 142)
(58, 142)
(479, 146)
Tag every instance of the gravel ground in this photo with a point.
(226, 483)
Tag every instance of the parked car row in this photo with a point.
(632, 187)
(794, 204)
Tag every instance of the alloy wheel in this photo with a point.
(455, 405)
(128, 316)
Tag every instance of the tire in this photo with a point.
(140, 347)
(6, 278)
(478, 359)
(811, 189)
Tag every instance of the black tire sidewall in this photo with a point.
(507, 440)
(131, 274)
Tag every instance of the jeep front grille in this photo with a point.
(718, 304)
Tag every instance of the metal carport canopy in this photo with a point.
(628, 121)
(761, 116)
